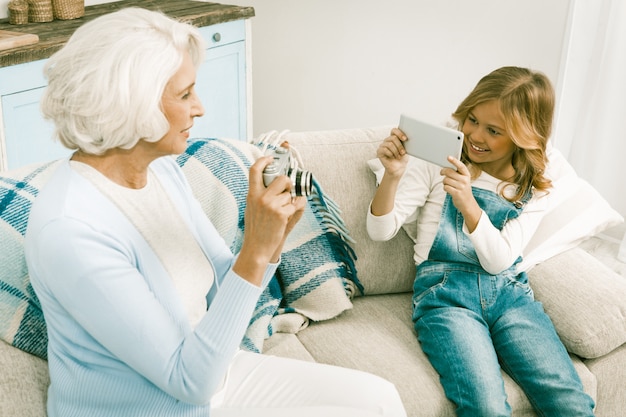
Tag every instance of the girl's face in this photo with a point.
(180, 105)
(487, 142)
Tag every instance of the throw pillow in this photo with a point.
(316, 276)
(585, 300)
(576, 212)
(21, 319)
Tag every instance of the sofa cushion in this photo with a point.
(585, 300)
(286, 345)
(24, 383)
(384, 267)
(610, 371)
(377, 336)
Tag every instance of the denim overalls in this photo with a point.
(471, 324)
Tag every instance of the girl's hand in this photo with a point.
(458, 183)
(394, 158)
(392, 154)
(270, 215)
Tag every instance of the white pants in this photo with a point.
(270, 386)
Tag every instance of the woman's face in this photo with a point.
(487, 142)
(180, 105)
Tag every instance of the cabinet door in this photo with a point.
(28, 137)
(221, 83)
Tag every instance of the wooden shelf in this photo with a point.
(53, 35)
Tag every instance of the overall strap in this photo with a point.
(451, 244)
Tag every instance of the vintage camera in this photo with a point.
(301, 180)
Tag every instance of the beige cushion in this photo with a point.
(286, 345)
(609, 370)
(585, 300)
(24, 383)
(377, 336)
(383, 267)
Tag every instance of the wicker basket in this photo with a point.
(68, 9)
(18, 12)
(40, 11)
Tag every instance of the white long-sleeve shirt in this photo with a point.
(417, 209)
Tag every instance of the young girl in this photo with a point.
(474, 312)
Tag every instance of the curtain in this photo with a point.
(591, 98)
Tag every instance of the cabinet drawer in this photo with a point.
(224, 33)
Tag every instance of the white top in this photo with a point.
(417, 209)
(152, 212)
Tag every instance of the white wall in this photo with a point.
(326, 64)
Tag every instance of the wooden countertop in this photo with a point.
(53, 35)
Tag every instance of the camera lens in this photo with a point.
(301, 183)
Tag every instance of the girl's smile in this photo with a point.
(475, 148)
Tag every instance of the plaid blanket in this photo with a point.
(316, 277)
(21, 319)
(314, 281)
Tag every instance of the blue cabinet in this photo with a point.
(222, 84)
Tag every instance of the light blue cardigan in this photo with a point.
(119, 340)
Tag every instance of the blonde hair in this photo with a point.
(526, 100)
(105, 85)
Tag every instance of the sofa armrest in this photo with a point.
(585, 299)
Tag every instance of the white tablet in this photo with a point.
(430, 142)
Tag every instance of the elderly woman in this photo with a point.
(144, 303)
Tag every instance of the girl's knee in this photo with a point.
(485, 406)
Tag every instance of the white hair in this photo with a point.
(105, 85)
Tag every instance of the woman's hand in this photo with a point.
(392, 154)
(298, 202)
(271, 213)
(458, 183)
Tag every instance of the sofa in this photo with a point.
(584, 297)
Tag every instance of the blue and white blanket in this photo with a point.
(316, 277)
(21, 319)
